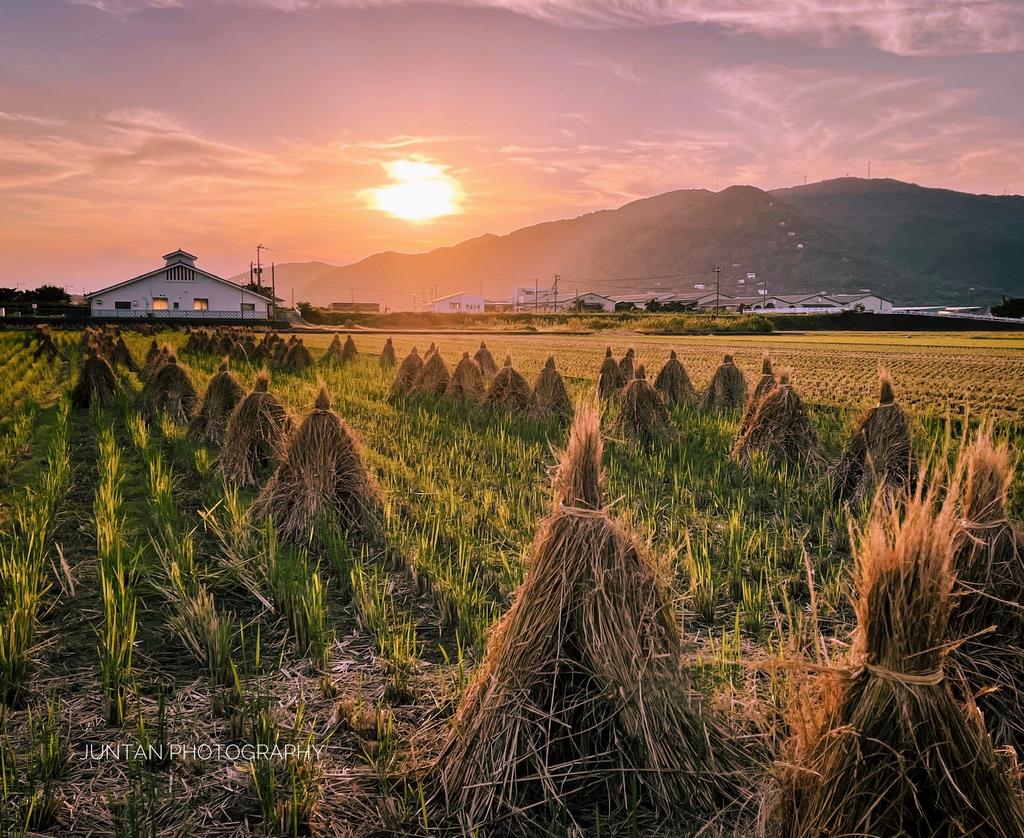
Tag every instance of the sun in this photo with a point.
(421, 191)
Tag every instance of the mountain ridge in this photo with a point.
(904, 241)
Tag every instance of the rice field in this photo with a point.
(171, 663)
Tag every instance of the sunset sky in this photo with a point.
(332, 129)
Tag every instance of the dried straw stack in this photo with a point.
(322, 477)
(989, 591)
(387, 354)
(121, 356)
(152, 361)
(434, 378)
(550, 398)
(486, 361)
(333, 355)
(170, 390)
(256, 435)
(887, 748)
(727, 389)
(96, 383)
(509, 391)
(879, 453)
(764, 385)
(467, 381)
(643, 418)
(298, 357)
(627, 366)
(408, 372)
(782, 429)
(580, 705)
(609, 380)
(222, 394)
(674, 383)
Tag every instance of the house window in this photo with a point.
(200, 304)
(160, 304)
(248, 306)
(175, 305)
(122, 304)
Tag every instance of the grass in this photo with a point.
(187, 591)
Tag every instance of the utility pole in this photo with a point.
(273, 290)
(718, 286)
(869, 170)
(259, 268)
(536, 294)
(555, 306)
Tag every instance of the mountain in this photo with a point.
(903, 241)
(668, 242)
(941, 242)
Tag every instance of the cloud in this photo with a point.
(903, 27)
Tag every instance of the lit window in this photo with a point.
(200, 304)
(159, 304)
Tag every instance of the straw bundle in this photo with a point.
(764, 384)
(298, 357)
(121, 356)
(170, 390)
(152, 361)
(322, 474)
(643, 418)
(256, 435)
(728, 387)
(333, 355)
(467, 380)
(222, 394)
(434, 378)
(990, 589)
(888, 749)
(486, 361)
(387, 354)
(96, 383)
(580, 705)
(879, 452)
(45, 345)
(550, 398)
(609, 380)
(674, 383)
(431, 350)
(627, 366)
(238, 352)
(509, 390)
(782, 429)
(408, 371)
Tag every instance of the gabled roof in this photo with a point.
(163, 268)
(180, 252)
(453, 296)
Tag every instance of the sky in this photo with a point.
(334, 129)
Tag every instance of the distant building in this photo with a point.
(372, 308)
(461, 303)
(544, 299)
(801, 303)
(180, 290)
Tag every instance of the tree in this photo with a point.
(1009, 307)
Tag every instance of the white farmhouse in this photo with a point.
(462, 303)
(180, 290)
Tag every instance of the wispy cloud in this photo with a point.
(904, 27)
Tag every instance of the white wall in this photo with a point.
(461, 303)
(222, 300)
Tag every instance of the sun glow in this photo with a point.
(421, 191)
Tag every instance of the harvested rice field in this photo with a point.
(318, 585)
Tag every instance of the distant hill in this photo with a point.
(941, 242)
(903, 241)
